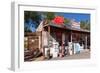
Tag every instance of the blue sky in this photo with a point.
(77, 16)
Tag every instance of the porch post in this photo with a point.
(48, 41)
(71, 37)
(49, 29)
(48, 32)
(72, 43)
(63, 38)
(62, 44)
(86, 42)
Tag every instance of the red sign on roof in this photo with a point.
(58, 20)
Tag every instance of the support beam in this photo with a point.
(62, 44)
(49, 29)
(48, 34)
(71, 36)
(86, 42)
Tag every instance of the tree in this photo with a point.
(35, 16)
(49, 15)
(85, 24)
(31, 19)
(66, 21)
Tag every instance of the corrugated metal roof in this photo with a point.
(68, 27)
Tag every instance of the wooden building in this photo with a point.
(64, 34)
(47, 33)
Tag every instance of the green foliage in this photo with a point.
(49, 15)
(66, 21)
(35, 16)
(85, 24)
(26, 29)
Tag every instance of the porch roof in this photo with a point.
(67, 27)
